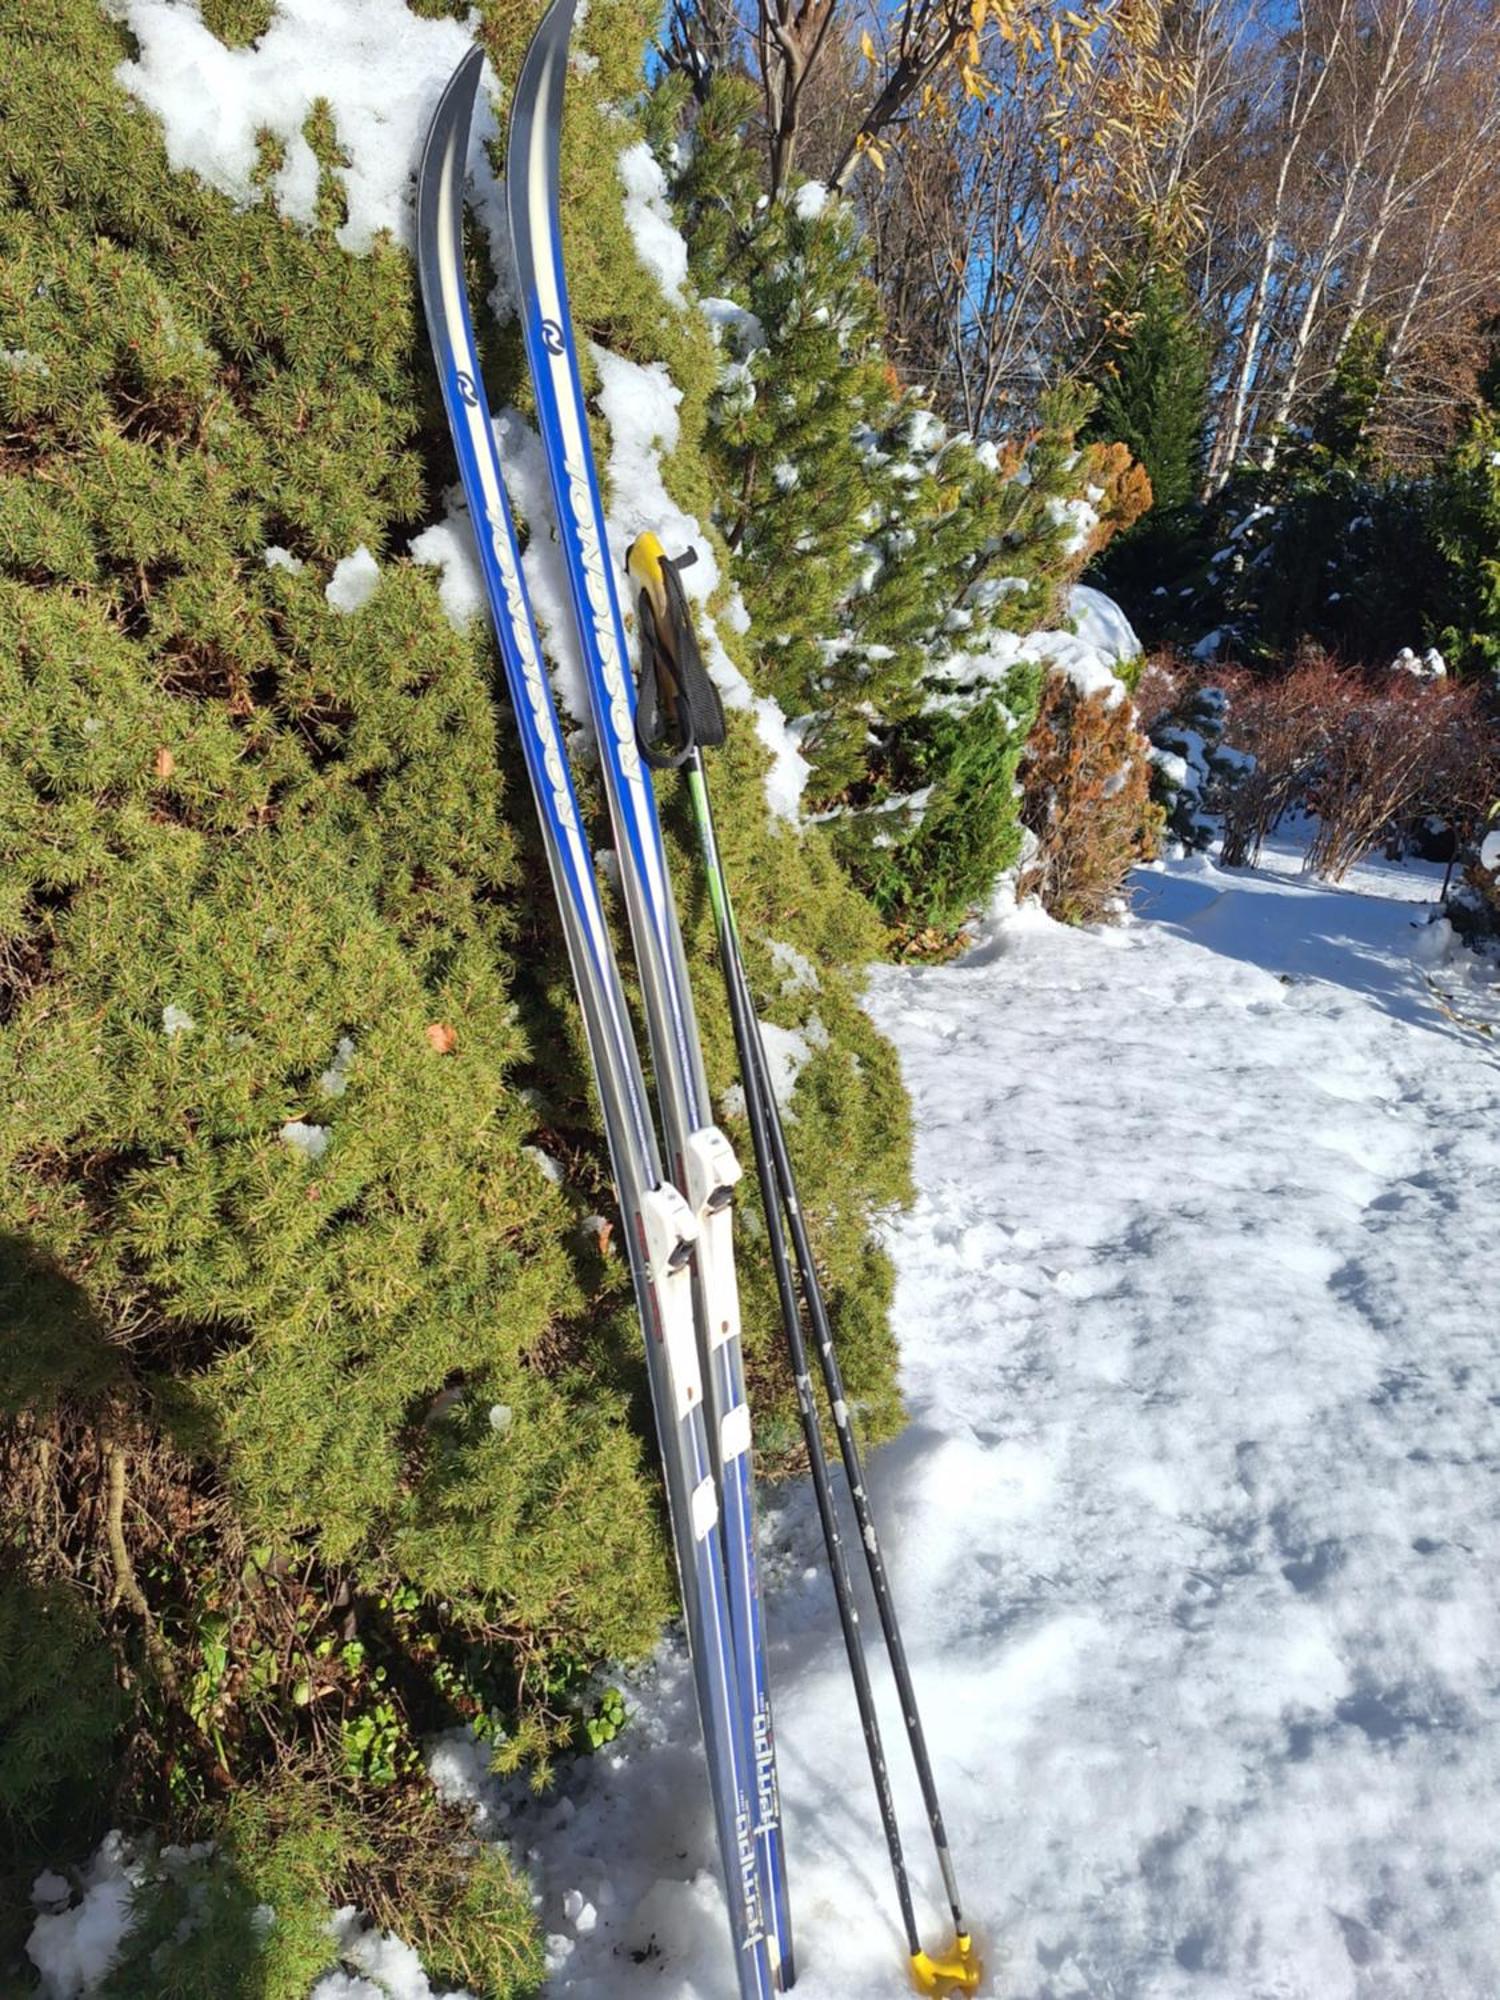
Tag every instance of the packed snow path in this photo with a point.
(1195, 1527)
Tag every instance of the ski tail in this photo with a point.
(660, 1229)
(699, 1156)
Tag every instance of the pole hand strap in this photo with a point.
(677, 709)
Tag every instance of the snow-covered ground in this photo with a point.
(1197, 1523)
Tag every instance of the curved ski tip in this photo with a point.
(454, 112)
(463, 86)
(558, 19)
(550, 38)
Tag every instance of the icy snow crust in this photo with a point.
(1195, 1525)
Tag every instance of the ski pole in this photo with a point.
(675, 685)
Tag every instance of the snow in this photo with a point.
(335, 1079)
(1431, 666)
(1099, 622)
(276, 557)
(1078, 517)
(311, 1141)
(801, 973)
(648, 216)
(1100, 643)
(176, 1021)
(789, 1053)
(736, 323)
(74, 1949)
(448, 546)
(379, 66)
(384, 1968)
(354, 581)
(811, 200)
(1489, 853)
(1193, 1526)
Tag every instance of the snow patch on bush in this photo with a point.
(379, 66)
(354, 581)
(648, 216)
(1089, 656)
(448, 546)
(311, 1141)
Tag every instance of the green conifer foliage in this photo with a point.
(870, 540)
(1151, 378)
(1465, 505)
(1340, 431)
(244, 832)
(297, 1140)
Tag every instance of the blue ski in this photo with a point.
(661, 1228)
(701, 1161)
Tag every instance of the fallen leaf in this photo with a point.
(442, 1037)
(166, 763)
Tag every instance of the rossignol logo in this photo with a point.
(467, 392)
(765, 1770)
(552, 336)
(749, 1873)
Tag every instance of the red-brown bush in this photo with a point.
(1365, 752)
(1086, 796)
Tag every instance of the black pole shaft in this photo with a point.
(760, 1110)
(783, 1180)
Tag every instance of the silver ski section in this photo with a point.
(659, 1227)
(531, 188)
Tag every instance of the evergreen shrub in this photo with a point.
(1086, 800)
(297, 1142)
(879, 553)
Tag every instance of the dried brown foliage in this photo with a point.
(1365, 752)
(1086, 785)
(1404, 748)
(1286, 725)
(1126, 487)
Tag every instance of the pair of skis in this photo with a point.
(677, 1211)
(676, 1215)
